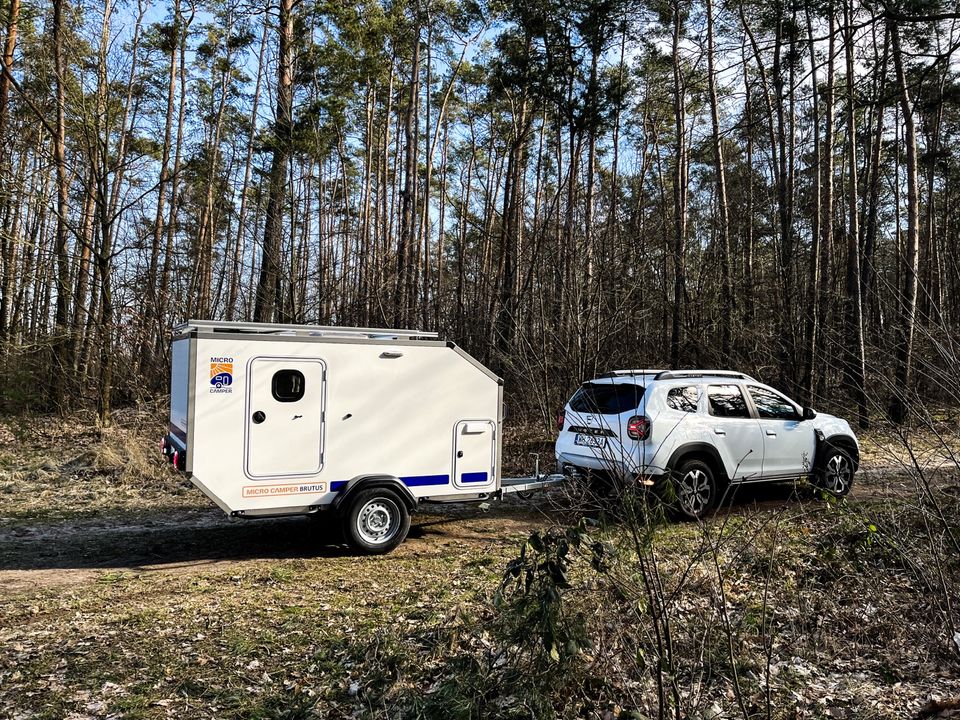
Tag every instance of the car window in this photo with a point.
(607, 398)
(727, 401)
(683, 398)
(772, 405)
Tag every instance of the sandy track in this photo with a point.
(181, 540)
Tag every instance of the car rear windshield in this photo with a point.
(606, 398)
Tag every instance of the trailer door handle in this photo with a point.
(259, 416)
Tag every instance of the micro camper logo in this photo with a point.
(221, 374)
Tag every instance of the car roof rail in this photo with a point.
(630, 373)
(679, 374)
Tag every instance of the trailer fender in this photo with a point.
(374, 481)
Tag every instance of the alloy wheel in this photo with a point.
(694, 492)
(837, 474)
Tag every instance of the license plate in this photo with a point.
(590, 441)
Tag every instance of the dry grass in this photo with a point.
(52, 468)
(123, 593)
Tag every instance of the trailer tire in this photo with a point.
(376, 521)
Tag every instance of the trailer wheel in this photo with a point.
(376, 521)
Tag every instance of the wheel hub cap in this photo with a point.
(377, 522)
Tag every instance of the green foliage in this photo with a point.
(533, 589)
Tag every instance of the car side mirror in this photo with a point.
(808, 414)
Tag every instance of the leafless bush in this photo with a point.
(815, 607)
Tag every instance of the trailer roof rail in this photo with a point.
(302, 330)
(677, 374)
(631, 373)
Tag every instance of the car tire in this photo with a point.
(694, 489)
(376, 521)
(834, 473)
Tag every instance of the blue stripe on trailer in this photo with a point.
(416, 480)
(475, 477)
(409, 481)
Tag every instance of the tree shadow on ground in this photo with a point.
(158, 539)
(138, 539)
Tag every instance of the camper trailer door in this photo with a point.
(285, 415)
(474, 459)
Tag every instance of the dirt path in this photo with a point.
(178, 540)
(189, 541)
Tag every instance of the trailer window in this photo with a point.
(607, 398)
(287, 385)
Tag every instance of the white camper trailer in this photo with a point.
(364, 424)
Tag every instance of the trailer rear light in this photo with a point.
(179, 460)
(163, 446)
(638, 427)
(561, 419)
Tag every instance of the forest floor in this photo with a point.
(125, 593)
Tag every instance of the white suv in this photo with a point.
(700, 430)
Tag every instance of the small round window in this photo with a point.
(287, 385)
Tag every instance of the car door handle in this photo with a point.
(771, 433)
(720, 431)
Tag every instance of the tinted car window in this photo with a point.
(772, 405)
(683, 398)
(727, 401)
(606, 398)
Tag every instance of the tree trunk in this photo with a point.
(856, 364)
(151, 328)
(403, 295)
(872, 317)
(234, 283)
(826, 215)
(7, 240)
(61, 343)
(726, 310)
(269, 290)
(165, 273)
(679, 192)
(903, 376)
(813, 304)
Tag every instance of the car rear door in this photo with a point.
(735, 431)
(597, 419)
(788, 442)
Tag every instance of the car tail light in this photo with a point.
(561, 419)
(638, 427)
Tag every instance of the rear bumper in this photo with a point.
(573, 464)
